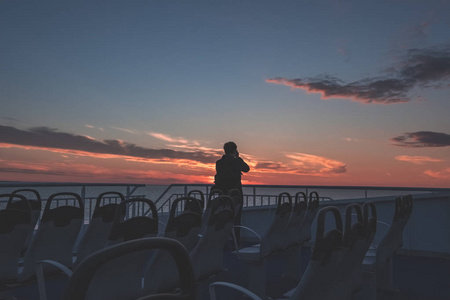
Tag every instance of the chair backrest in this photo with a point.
(194, 193)
(56, 234)
(35, 203)
(184, 225)
(318, 281)
(313, 208)
(15, 225)
(275, 237)
(207, 211)
(297, 218)
(207, 255)
(393, 239)
(96, 235)
(235, 194)
(113, 273)
(184, 222)
(355, 243)
(137, 225)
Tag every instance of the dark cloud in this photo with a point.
(419, 67)
(50, 138)
(422, 139)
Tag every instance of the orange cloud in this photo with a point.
(416, 159)
(167, 138)
(61, 171)
(308, 164)
(444, 174)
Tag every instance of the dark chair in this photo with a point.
(35, 203)
(379, 258)
(184, 225)
(207, 255)
(104, 274)
(56, 234)
(97, 232)
(137, 225)
(15, 226)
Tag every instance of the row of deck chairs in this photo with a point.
(289, 229)
(155, 274)
(345, 263)
(203, 234)
(58, 229)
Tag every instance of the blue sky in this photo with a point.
(187, 76)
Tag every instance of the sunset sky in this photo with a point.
(312, 92)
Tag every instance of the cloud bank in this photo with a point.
(421, 139)
(419, 68)
(47, 138)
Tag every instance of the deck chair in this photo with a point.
(15, 225)
(96, 235)
(294, 239)
(104, 274)
(235, 194)
(207, 211)
(207, 255)
(35, 203)
(184, 225)
(379, 259)
(295, 224)
(56, 234)
(355, 245)
(273, 240)
(313, 208)
(317, 282)
(361, 283)
(319, 279)
(137, 225)
(193, 194)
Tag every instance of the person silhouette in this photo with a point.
(228, 176)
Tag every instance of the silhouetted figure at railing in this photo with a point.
(228, 175)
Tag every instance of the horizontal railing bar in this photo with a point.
(58, 184)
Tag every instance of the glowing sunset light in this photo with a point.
(149, 91)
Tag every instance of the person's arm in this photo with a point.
(243, 165)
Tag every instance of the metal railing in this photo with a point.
(254, 195)
(266, 195)
(78, 188)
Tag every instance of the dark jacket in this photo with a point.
(228, 173)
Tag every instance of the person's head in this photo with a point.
(230, 148)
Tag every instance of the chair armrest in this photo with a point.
(233, 286)
(236, 246)
(40, 275)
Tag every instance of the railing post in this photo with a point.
(128, 193)
(83, 194)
